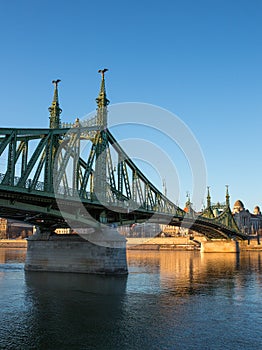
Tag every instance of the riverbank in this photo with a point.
(164, 243)
(13, 243)
(157, 243)
(184, 243)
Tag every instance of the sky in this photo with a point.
(200, 60)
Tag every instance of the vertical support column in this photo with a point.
(48, 178)
(76, 156)
(11, 162)
(92, 185)
(100, 168)
(24, 156)
(146, 196)
(120, 174)
(134, 187)
(10, 171)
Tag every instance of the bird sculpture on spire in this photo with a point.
(102, 71)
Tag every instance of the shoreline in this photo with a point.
(13, 243)
(157, 243)
(184, 243)
(164, 243)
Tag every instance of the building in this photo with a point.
(249, 223)
(3, 228)
(256, 221)
(12, 229)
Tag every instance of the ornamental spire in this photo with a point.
(208, 198)
(102, 102)
(54, 109)
(227, 197)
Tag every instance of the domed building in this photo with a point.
(238, 206)
(248, 223)
(242, 217)
(257, 210)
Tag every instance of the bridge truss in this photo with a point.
(52, 165)
(80, 175)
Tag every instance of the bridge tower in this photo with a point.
(227, 197)
(100, 189)
(53, 142)
(208, 198)
(208, 212)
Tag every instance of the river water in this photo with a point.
(169, 300)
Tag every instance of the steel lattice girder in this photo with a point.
(127, 184)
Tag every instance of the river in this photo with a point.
(169, 300)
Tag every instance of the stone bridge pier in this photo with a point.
(102, 251)
(231, 246)
(220, 246)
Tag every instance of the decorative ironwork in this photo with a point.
(39, 164)
(54, 109)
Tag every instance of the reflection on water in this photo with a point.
(192, 272)
(10, 255)
(169, 300)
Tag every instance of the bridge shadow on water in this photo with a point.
(69, 311)
(58, 282)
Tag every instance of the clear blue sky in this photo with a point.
(201, 60)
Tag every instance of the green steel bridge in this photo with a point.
(66, 177)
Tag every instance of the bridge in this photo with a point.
(78, 176)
